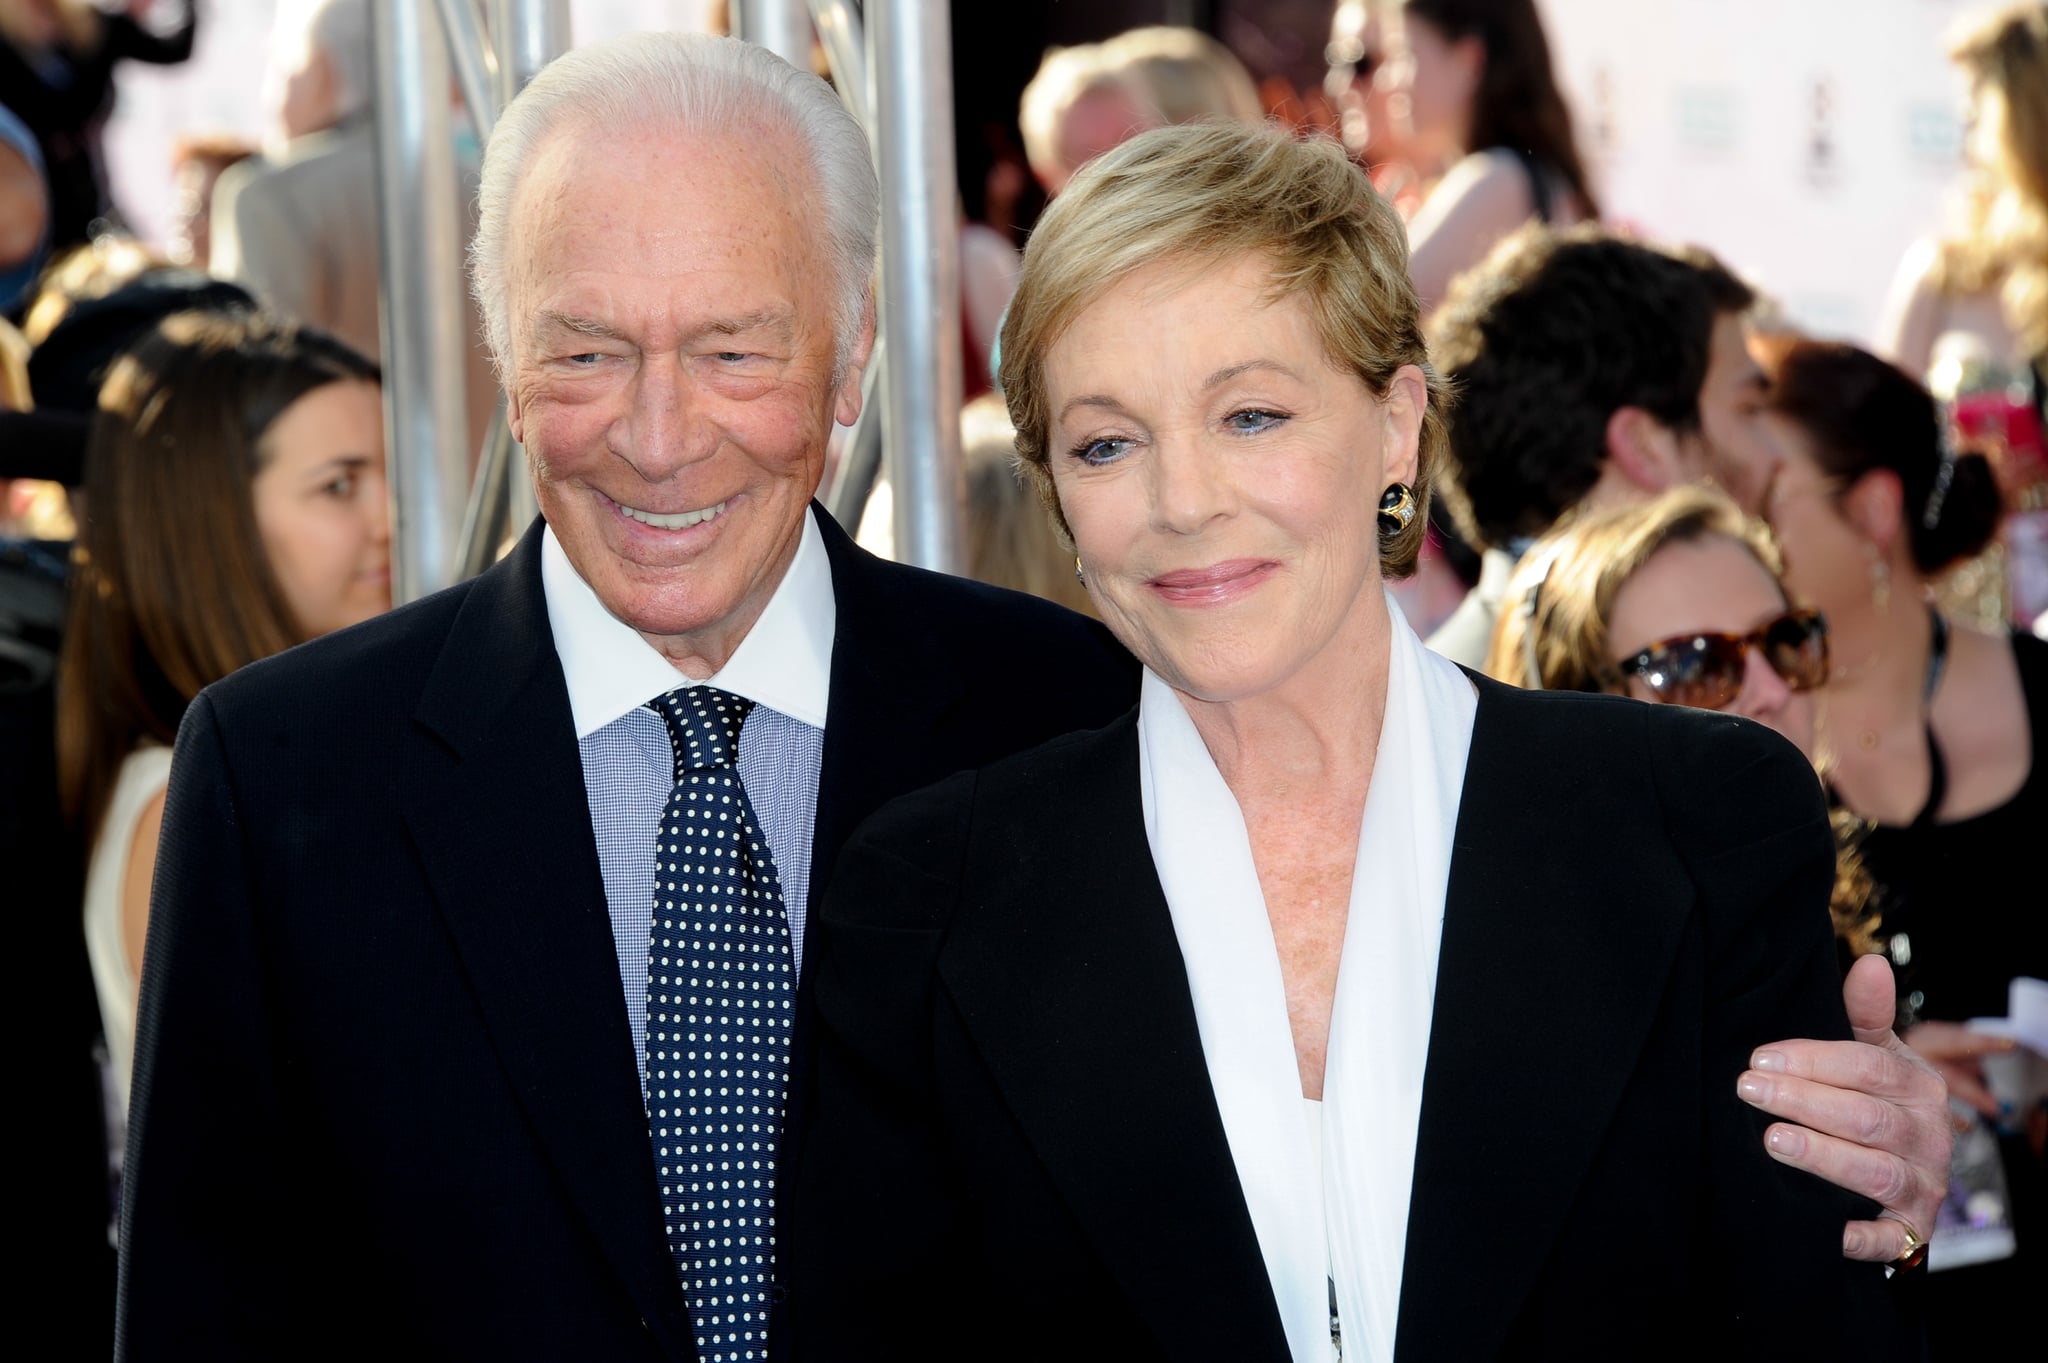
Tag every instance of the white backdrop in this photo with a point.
(1807, 142)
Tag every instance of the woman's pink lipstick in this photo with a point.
(1216, 585)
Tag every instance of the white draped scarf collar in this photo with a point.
(1352, 1229)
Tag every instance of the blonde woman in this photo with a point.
(1232, 1029)
(1982, 296)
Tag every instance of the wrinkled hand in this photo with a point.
(1868, 1115)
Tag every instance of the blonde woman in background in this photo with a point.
(1186, 74)
(1011, 541)
(1983, 294)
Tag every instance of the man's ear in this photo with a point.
(846, 409)
(1874, 504)
(1644, 451)
(515, 414)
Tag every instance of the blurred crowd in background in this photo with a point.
(1666, 483)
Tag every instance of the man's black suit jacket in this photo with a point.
(1015, 1151)
(385, 1099)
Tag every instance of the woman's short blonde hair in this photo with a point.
(1552, 631)
(1207, 193)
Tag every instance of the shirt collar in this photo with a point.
(784, 662)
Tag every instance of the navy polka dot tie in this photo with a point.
(720, 1000)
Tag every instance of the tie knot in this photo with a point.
(703, 726)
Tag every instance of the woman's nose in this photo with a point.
(1763, 691)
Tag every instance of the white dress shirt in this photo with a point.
(783, 665)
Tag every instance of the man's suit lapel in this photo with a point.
(890, 691)
(1536, 901)
(1077, 999)
(502, 825)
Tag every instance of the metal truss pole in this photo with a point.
(781, 26)
(423, 341)
(910, 91)
(525, 36)
(860, 454)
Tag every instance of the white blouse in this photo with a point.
(1332, 1204)
(144, 775)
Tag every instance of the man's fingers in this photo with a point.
(1852, 1065)
(1893, 1183)
(1874, 1242)
(1867, 994)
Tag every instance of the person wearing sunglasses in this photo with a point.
(1678, 601)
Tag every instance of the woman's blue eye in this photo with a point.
(1253, 420)
(1099, 452)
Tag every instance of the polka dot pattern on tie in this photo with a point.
(721, 992)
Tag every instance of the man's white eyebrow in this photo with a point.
(779, 319)
(580, 326)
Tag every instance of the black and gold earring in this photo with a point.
(1397, 508)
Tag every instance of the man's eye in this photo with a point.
(585, 360)
(733, 356)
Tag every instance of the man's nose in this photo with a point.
(666, 426)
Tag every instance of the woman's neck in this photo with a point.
(1880, 672)
(1319, 729)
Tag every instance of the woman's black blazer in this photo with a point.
(1012, 1149)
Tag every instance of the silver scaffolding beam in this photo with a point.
(421, 256)
(910, 93)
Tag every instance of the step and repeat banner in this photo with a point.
(1806, 141)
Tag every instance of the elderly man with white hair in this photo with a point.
(470, 995)
(469, 1010)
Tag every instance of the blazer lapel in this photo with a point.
(889, 693)
(1078, 1000)
(502, 827)
(1515, 932)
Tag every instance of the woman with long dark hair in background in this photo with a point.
(1481, 100)
(235, 506)
(1934, 727)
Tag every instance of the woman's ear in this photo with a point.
(1469, 52)
(1402, 411)
(1874, 504)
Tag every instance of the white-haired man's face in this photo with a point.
(672, 371)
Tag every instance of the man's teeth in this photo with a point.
(680, 521)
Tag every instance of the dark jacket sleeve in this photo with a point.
(210, 1203)
(859, 1294)
(1747, 815)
